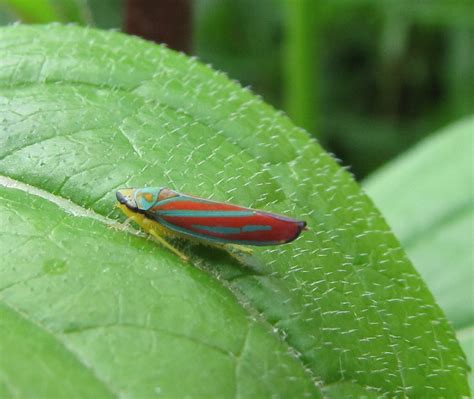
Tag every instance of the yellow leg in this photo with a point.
(233, 250)
(240, 248)
(166, 244)
(151, 227)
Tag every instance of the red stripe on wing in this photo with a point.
(184, 205)
(282, 229)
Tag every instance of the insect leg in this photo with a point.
(166, 244)
(240, 248)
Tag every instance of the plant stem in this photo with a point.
(163, 21)
(302, 60)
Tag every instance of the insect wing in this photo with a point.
(224, 223)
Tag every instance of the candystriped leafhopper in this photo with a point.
(164, 212)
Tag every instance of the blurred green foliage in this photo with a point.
(384, 72)
(107, 13)
(43, 11)
(243, 38)
(101, 13)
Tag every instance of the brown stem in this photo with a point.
(163, 21)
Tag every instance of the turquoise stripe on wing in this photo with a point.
(231, 230)
(205, 214)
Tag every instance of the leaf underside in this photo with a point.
(85, 112)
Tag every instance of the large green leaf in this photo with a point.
(427, 196)
(84, 112)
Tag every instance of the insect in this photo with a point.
(166, 213)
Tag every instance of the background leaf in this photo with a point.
(41, 11)
(85, 112)
(427, 198)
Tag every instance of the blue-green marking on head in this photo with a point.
(141, 199)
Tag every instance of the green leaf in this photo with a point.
(427, 198)
(85, 112)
